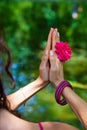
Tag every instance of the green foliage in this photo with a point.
(25, 26)
(75, 69)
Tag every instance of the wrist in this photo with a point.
(59, 91)
(57, 83)
(42, 82)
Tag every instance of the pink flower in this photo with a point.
(63, 51)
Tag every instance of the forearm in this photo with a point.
(23, 94)
(78, 105)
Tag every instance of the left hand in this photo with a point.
(44, 66)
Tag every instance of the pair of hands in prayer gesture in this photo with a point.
(51, 69)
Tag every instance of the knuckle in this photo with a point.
(45, 57)
(53, 69)
(52, 59)
(41, 68)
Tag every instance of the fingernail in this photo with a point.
(51, 28)
(51, 53)
(46, 52)
(58, 34)
(56, 29)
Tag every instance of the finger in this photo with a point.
(58, 37)
(44, 58)
(55, 38)
(52, 59)
(49, 41)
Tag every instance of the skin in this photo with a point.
(23, 94)
(55, 75)
(49, 72)
(20, 96)
(78, 105)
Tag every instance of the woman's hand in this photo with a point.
(44, 66)
(56, 67)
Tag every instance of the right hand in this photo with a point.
(56, 67)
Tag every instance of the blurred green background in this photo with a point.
(26, 25)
